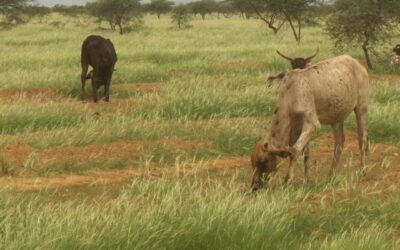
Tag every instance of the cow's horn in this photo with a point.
(313, 55)
(282, 55)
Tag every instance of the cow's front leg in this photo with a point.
(306, 154)
(289, 175)
(310, 126)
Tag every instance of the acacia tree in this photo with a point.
(276, 12)
(203, 7)
(363, 23)
(40, 11)
(271, 16)
(14, 12)
(225, 8)
(294, 12)
(181, 16)
(243, 7)
(116, 12)
(160, 7)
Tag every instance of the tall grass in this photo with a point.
(187, 213)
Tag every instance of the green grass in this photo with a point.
(189, 213)
(214, 91)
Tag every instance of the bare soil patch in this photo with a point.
(383, 165)
(140, 87)
(115, 176)
(37, 94)
(120, 150)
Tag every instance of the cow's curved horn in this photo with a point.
(312, 56)
(282, 55)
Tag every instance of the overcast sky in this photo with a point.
(51, 3)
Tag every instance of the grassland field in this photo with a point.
(166, 163)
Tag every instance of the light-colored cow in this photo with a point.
(324, 93)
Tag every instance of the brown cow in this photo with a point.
(100, 54)
(325, 93)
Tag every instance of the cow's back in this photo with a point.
(333, 88)
(98, 52)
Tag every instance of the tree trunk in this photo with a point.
(365, 49)
(111, 25)
(118, 21)
(293, 28)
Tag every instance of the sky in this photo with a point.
(51, 3)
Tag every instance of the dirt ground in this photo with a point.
(383, 165)
(383, 160)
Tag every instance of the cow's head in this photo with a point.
(397, 49)
(299, 62)
(263, 163)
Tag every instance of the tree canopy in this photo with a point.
(116, 12)
(14, 12)
(363, 23)
(159, 7)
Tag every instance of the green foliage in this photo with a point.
(275, 12)
(203, 7)
(73, 10)
(362, 23)
(117, 13)
(40, 11)
(181, 16)
(13, 12)
(160, 7)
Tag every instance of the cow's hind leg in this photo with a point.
(338, 133)
(94, 88)
(83, 79)
(107, 91)
(361, 115)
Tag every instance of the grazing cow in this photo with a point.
(395, 57)
(325, 93)
(100, 54)
(297, 63)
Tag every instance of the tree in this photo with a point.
(294, 12)
(40, 11)
(116, 12)
(275, 12)
(363, 23)
(271, 16)
(225, 8)
(14, 12)
(160, 7)
(203, 7)
(243, 7)
(181, 16)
